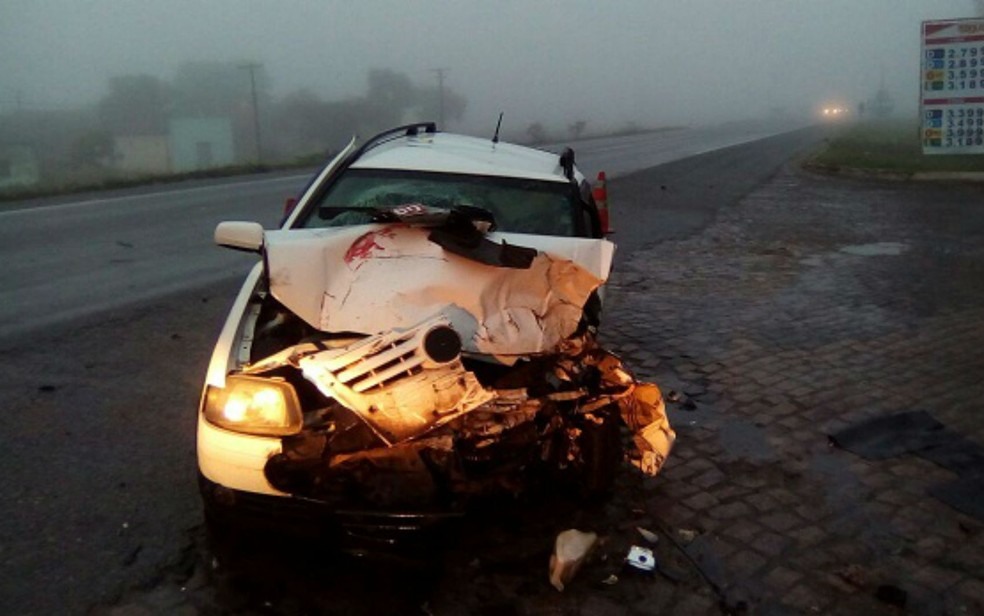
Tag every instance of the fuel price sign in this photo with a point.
(952, 92)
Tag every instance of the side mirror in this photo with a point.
(246, 236)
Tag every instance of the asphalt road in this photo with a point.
(66, 258)
(109, 308)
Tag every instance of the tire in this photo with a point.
(601, 455)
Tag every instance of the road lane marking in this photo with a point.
(179, 191)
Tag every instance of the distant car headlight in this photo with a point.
(255, 406)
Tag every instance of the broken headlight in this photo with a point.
(255, 406)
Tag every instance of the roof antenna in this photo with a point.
(495, 137)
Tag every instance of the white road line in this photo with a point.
(179, 191)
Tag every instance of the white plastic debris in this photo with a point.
(641, 558)
(648, 535)
(686, 535)
(571, 548)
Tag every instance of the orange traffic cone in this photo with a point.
(600, 194)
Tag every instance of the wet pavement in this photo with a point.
(811, 305)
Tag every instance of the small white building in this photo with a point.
(200, 143)
(142, 154)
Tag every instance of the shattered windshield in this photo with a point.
(518, 205)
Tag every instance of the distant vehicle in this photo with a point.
(834, 112)
(419, 331)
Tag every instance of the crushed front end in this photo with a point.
(406, 368)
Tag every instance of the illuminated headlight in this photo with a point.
(254, 405)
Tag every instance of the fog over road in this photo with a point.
(69, 258)
(98, 428)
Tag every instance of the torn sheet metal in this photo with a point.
(373, 278)
(640, 404)
(404, 389)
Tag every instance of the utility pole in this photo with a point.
(251, 67)
(440, 94)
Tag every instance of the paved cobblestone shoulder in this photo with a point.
(813, 304)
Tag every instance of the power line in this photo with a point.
(440, 94)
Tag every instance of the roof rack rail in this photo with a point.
(567, 163)
(407, 130)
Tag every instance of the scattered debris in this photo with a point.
(132, 555)
(571, 548)
(673, 396)
(648, 535)
(877, 249)
(686, 535)
(893, 595)
(855, 575)
(611, 580)
(641, 558)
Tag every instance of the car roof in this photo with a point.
(452, 153)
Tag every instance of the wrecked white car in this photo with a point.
(420, 331)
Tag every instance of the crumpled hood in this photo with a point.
(373, 278)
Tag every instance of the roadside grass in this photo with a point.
(111, 183)
(311, 161)
(891, 146)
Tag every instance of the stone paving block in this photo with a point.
(814, 559)
(762, 502)
(782, 577)
(850, 551)
(730, 511)
(680, 490)
(745, 562)
(784, 495)
(701, 463)
(702, 501)
(771, 544)
(691, 605)
(744, 531)
(709, 478)
(937, 579)
(808, 536)
(972, 590)
(677, 469)
(780, 521)
(969, 556)
(595, 605)
(730, 492)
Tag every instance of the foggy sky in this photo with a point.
(652, 62)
